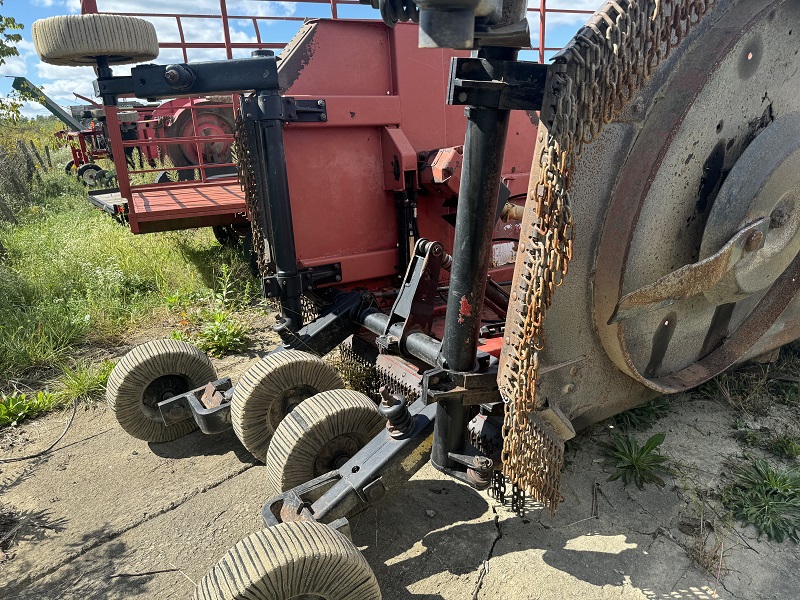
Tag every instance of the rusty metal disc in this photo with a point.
(663, 319)
(643, 196)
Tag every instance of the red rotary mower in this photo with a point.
(664, 180)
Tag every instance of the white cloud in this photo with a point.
(60, 82)
(17, 66)
(43, 2)
(33, 109)
(30, 109)
(73, 6)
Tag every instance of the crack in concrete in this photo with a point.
(112, 535)
(485, 566)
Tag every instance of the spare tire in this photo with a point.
(77, 40)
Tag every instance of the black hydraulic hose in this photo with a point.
(51, 446)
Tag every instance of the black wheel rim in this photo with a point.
(162, 388)
(337, 452)
(288, 401)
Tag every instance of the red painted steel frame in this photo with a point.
(384, 97)
(386, 104)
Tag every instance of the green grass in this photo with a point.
(16, 407)
(643, 417)
(748, 392)
(85, 382)
(767, 498)
(782, 446)
(785, 446)
(71, 275)
(634, 463)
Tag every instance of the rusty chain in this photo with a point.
(246, 154)
(591, 81)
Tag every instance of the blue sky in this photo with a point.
(61, 82)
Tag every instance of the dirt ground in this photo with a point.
(106, 516)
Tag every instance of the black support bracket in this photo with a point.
(501, 84)
(284, 108)
(335, 324)
(478, 387)
(277, 286)
(168, 81)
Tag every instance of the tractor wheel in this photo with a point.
(69, 168)
(77, 40)
(270, 389)
(88, 174)
(294, 560)
(150, 373)
(164, 177)
(320, 435)
(226, 235)
(209, 121)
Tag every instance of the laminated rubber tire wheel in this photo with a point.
(77, 40)
(271, 389)
(150, 373)
(294, 560)
(320, 435)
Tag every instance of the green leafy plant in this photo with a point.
(180, 335)
(16, 407)
(637, 464)
(642, 417)
(222, 334)
(752, 438)
(766, 498)
(739, 424)
(785, 446)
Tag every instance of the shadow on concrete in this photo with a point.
(199, 444)
(622, 547)
(103, 577)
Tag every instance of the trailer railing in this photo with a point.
(228, 33)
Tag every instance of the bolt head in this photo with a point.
(754, 241)
(323, 117)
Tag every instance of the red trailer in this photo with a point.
(387, 93)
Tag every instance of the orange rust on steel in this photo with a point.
(681, 284)
(635, 180)
(760, 320)
(690, 280)
(211, 397)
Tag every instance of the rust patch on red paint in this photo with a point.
(465, 310)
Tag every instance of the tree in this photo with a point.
(10, 105)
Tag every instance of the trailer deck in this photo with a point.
(176, 207)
